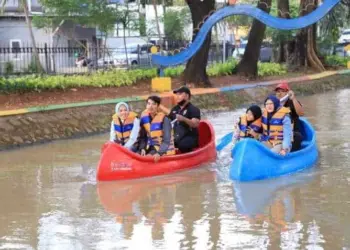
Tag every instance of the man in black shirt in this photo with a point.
(282, 90)
(187, 118)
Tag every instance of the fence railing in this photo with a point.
(80, 60)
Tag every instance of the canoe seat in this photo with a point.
(304, 144)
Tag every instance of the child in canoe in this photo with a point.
(249, 124)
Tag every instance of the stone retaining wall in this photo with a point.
(27, 129)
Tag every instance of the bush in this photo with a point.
(222, 69)
(9, 68)
(271, 69)
(335, 61)
(175, 71)
(117, 78)
(114, 78)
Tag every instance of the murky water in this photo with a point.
(50, 199)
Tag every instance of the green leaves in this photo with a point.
(271, 69)
(175, 23)
(222, 69)
(174, 71)
(117, 78)
(337, 61)
(91, 13)
(113, 78)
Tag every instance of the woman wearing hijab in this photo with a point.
(125, 126)
(277, 126)
(249, 125)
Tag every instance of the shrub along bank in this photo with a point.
(116, 78)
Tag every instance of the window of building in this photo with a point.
(15, 46)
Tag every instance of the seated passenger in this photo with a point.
(283, 92)
(187, 118)
(125, 126)
(156, 137)
(277, 126)
(249, 124)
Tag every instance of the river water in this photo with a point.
(50, 199)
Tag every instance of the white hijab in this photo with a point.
(121, 104)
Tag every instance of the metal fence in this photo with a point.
(80, 60)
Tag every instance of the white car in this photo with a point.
(138, 54)
(265, 51)
(345, 36)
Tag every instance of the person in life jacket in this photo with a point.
(156, 136)
(277, 126)
(125, 126)
(289, 100)
(249, 124)
(186, 118)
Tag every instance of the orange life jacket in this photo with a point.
(154, 131)
(275, 133)
(123, 129)
(243, 126)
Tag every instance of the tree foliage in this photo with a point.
(90, 13)
(175, 23)
(277, 36)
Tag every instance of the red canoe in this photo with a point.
(118, 163)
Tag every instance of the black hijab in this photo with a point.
(256, 110)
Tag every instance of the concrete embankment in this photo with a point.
(47, 123)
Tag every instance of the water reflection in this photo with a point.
(252, 198)
(156, 203)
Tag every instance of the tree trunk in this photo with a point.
(248, 66)
(164, 6)
(39, 67)
(157, 20)
(304, 53)
(281, 55)
(195, 71)
(312, 57)
(104, 50)
(283, 12)
(126, 50)
(125, 26)
(217, 43)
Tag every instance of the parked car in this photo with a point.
(344, 36)
(239, 50)
(137, 54)
(339, 49)
(265, 51)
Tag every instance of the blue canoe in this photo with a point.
(254, 161)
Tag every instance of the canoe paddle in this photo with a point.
(224, 141)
